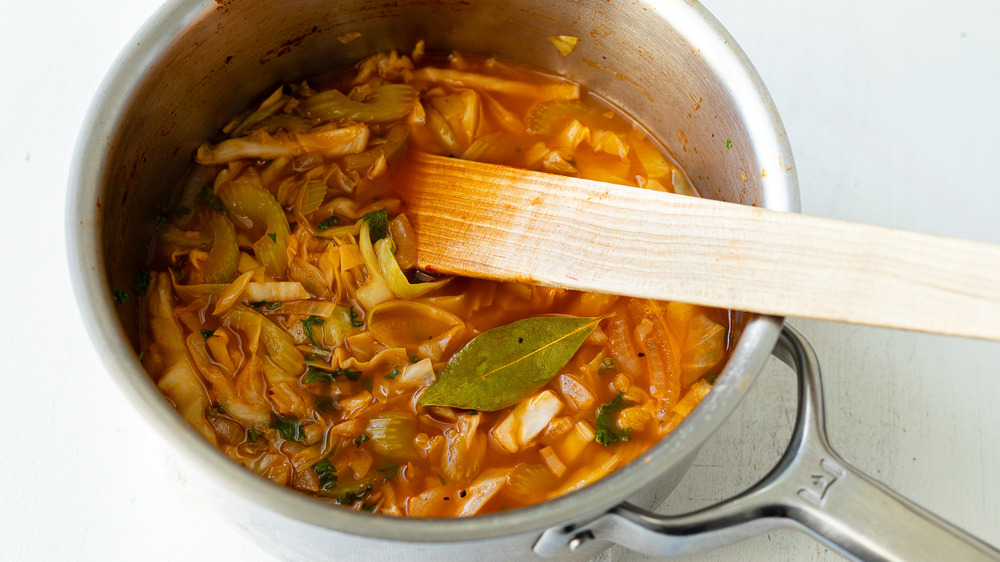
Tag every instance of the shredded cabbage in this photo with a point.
(387, 102)
(394, 276)
(245, 198)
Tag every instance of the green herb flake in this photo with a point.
(290, 430)
(161, 221)
(182, 212)
(208, 197)
(607, 431)
(328, 223)
(324, 467)
(253, 434)
(394, 373)
(378, 224)
(318, 375)
(441, 478)
(606, 365)
(273, 236)
(270, 305)
(729, 144)
(207, 333)
(327, 474)
(354, 322)
(308, 323)
(390, 471)
(325, 405)
(368, 508)
(496, 370)
(120, 296)
(361, 439)
(141, 283)
(367, 383)
(352, 496)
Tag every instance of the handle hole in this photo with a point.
(745, 448)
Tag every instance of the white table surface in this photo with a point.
(892, 111)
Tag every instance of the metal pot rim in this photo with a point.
(92, 292)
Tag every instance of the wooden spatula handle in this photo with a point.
(504, 223)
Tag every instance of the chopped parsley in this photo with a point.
(290, 430)
(120, 295)
(327, 474)
(729, 144)
(378, 224)
(354, 322)
(352, 496)
(318, 375)
(328, 222)
(270, 305)
(606, 365)
(207, 333)
(361, 439)
(325, 405)
(273, 236)
(308, 324)
(141, 283)
(607, 430)
(253, 434)
(390, 471)
(393, 373)
(208, 197)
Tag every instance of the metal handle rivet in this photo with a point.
(579, 540)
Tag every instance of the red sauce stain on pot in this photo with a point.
(287, 46)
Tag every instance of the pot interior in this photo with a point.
(668, 64)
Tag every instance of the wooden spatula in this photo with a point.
(496, 222)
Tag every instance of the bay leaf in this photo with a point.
(503, 365)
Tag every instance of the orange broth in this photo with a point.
(267, 329)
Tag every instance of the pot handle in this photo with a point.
(812, 488)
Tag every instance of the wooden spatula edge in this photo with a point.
(509, 224)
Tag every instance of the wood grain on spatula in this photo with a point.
(496, 222)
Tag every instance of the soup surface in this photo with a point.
(285, 321)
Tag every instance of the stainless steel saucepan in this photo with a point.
(670, 64)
